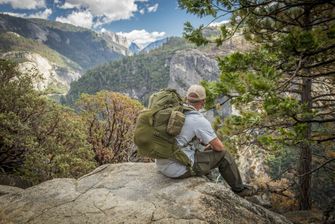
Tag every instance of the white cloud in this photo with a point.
(104, 11)
(142, 37)
(67, 5)
(108, 10)
(142, 11)
(153, 8)
(42, 14)
(83, 19)
(24, 4)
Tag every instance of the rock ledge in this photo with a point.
(130, 193)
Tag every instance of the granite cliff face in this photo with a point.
(51, 73)
(130, 193)
(184, 68)
(115, 42)
(189, 67)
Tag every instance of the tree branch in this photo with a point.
(320, 64)
(316, 169)
(317, 121)
(323, 95)
(325, 139)
(285, 84)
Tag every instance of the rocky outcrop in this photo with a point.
(51, 73)
(117, 43)
(131, 193)
(114, 38)
(189, 67)
(251, 163)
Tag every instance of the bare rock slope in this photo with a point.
(188, 67)
(130, 193)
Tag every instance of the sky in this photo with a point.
(141, 21)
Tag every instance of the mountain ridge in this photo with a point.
(83, 46)
(134, 48)
(137, 76)
(59, 52)
(142, 74)
(154, 45)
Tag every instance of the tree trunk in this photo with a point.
(305, 159)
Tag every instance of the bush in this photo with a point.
(62, 149)
(110, 120)
(39, 139)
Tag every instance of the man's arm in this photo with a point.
(205, 133)
(216, 145)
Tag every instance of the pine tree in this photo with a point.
(286, 84)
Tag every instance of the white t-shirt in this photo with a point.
(196, 125)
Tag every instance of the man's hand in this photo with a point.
(217, 145)
(208, 147)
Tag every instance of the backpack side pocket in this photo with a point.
(176, 122)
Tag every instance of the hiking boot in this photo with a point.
(246, 191)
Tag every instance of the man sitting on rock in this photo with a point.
(198, 128)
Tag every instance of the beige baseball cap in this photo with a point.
(196, 93)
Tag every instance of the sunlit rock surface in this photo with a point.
(131, 193)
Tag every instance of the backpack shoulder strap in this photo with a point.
(187, 108)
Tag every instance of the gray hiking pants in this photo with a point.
(208, 160)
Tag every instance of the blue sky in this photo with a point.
(141, 21)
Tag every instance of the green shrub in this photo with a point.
(39, 139)
(110, 121)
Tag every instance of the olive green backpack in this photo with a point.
(157, 127)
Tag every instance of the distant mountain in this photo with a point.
(138, 75)
(82, 46)
(116, 42)
(154, 45)
(134, 49)
(175, 64)
(59, 52)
